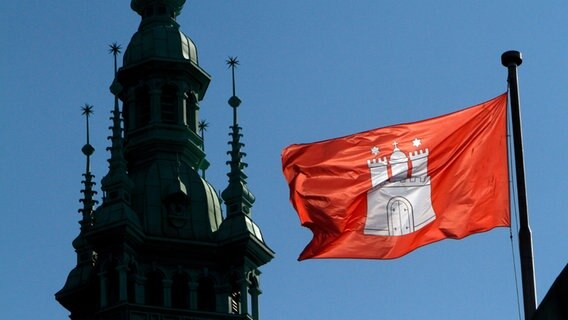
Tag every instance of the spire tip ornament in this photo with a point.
(87, 111)
(234, 101)
(115, 48)
(233, 62)
(202, 126)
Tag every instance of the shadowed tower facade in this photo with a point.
(158, 247)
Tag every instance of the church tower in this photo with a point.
(159, 246)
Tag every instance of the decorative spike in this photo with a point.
(232, 62)
(116, 138)
(87, 111)
(202, 126)
(115, 49)
(238, 198)
(116, 184)
(88, 192)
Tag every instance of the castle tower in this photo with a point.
(398, 204)
(158, 246)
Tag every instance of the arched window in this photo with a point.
(142, 107)
(180, 291)
(154, 290)
(169, 104)
(206, 295)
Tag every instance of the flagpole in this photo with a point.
(511, 60)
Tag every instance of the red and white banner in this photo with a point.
(382, 193)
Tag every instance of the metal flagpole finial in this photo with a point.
(511, 58)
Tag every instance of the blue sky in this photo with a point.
(310, 70)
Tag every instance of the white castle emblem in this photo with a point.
(399, 203)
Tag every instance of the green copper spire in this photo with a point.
(84, 253)
(116, 184)
(158, 35)
(88, 192)
(237, 196)
(84, 271)
(245, 244)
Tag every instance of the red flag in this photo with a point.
(382, 193)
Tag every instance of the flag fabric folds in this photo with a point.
(382, 193)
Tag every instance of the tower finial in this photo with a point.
(116, 184)
(115, 49)
(87, 112)
(238, 198)
(88, 192)
(234, 101)
(232, 62)
(116, 88)
(202, 126)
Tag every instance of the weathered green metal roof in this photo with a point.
(160, 42)
(158, 36)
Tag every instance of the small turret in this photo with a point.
(88, 192)
(399, 164)
(237, 196)
(243, 243)
(79, 286)
(116, 185)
